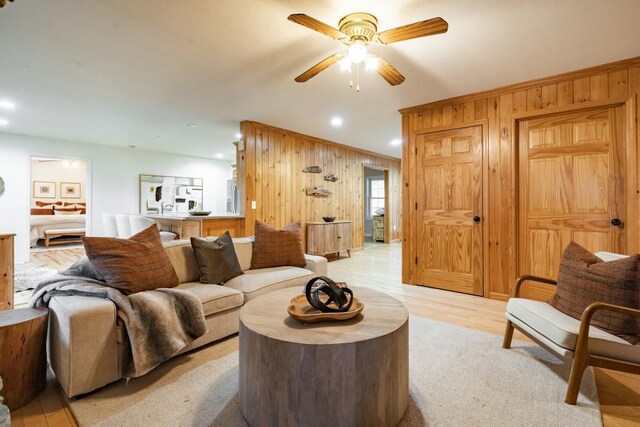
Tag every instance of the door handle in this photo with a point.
(476, 219)
(616, 222)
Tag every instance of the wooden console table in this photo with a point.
(187, 226)
(329, 237)
(6, 271)
(23, 354)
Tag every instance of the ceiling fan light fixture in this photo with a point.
(357, 52)
(371, 63)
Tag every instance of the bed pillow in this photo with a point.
(66, 212)
(217, 259)
(132, 265)
(585, 278)
(275, 248)
(41, 211)
(48, 205)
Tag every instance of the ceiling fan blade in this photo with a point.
(314, 24)
(389, 73)
(320, 66)
(413, 31)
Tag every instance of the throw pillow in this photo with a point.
(275, 248)
(217, 259)
(66, 212)
(48, 205)
(41, 211)
(132, 265)
(585, 278)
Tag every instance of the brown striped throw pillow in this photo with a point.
(585, 278)
(274, 248)
(132, 265)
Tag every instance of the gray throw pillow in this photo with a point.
(217, 259)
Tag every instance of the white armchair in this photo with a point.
(124, 226)
(575, 341)
(109, 225)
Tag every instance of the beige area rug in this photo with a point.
(458, 377)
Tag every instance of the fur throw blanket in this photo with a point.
(159, 323)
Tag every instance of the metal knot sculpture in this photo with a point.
(338, 299)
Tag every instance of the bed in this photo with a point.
(42, 223)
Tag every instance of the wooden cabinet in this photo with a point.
(378, 228)
(329, 237)
(187, 227)
(6, 271)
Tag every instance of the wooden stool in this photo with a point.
(23, 355)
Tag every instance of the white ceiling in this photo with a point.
(135, 72)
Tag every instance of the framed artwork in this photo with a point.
(44, 190)
(70, 190)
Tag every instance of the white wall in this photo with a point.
(113, 182)
(57, 172)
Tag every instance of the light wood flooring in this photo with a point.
(379, 268)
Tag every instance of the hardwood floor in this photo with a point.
(378, 268)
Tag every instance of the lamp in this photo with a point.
(357, 52)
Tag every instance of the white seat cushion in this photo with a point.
(562, 330)
(256, 282)
(214, 298)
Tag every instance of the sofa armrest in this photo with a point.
(317, 264)
(83, 343)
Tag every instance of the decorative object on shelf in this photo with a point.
(3, 3)
(319, 191)
(328, 218)
(44, 190)
(70, 190)
(331, 177)
(1, 186)
(199, 213)
(312, 169)
(335, 294)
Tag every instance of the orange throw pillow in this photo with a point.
(275, 248)
(132, 265)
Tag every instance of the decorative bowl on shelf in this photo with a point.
(199, 213)
(329, 218)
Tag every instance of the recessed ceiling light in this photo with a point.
(219, 155)
(7, 105)
(191, 125)
(239, 135)
(336, 121)
(396, 141)
(4, 122)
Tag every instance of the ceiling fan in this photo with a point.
(357, 31)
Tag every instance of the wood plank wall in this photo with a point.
(273, 163)
(496, 109)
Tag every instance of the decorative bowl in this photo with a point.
(303, 312)
(329, 218)
(199, 213)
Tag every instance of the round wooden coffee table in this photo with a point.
(349, 373)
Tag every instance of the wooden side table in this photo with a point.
(23, 354)
(6, 271)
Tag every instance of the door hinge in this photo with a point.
(415, 150)
(416, 260)
(416, 205)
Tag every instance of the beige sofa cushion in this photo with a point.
(256, 282)
(244, 249)
(214, 298)
(563, 329)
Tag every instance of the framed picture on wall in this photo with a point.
(70, 190)
(44, 190)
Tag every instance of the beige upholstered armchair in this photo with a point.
(575, 341)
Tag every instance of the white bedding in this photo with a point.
(42, 223)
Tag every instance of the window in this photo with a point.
(375, 200)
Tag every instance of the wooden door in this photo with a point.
(449, 210)
(570, 188)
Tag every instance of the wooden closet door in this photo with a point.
(571, 188)
(449, 196)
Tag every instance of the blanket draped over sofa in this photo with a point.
(159, 323)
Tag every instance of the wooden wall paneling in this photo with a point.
(491, 151)
(598, 86)
(279, 185)
(249, 135)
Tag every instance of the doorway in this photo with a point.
(375, 206)
(58, 202)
